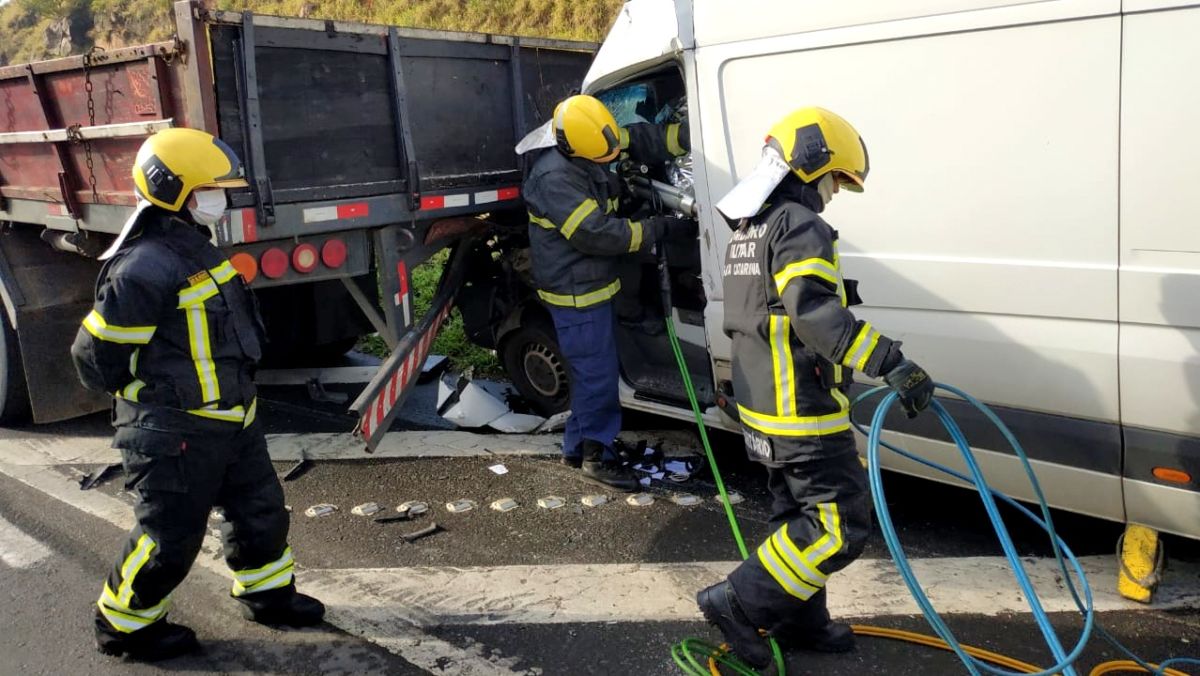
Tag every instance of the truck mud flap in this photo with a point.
(383, 397)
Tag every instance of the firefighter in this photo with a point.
(576, 241)
(795, 345)
(174, 336)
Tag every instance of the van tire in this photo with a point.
(14, 394)
(533, 360)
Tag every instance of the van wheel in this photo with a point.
(533, 360)
(14, 396)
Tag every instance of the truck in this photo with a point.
(368, 149)
(1027, 229)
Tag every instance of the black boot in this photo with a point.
(572, 461)
(159, 641)
(284, 606)
(812, 629)
(720, 607)
(606, 472)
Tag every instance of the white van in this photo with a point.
(1028, 229)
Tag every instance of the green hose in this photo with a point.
(694, 655)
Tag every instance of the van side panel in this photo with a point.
(987, 237)
(1160, 264)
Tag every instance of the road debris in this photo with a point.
(474, 404)
(517, 423)
(735, 498)
(435, 364)
(98, 477)
(460, 506)
(323, 509)
(413, 508)
(686, 499)
(640, 500)
(392, 519)
(505, 505)
(366, 509)
(551, 502)
(424, 532)
(594, 500)
(499, 469)
(555, 423)
(298, 469)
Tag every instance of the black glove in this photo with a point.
(914, 386)
(673, 228)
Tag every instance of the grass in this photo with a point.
(452, 340)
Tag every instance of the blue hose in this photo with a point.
(1067, 561)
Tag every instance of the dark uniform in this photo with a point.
(175, 335)
(576, 239)
(795, 345)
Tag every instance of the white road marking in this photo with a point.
(18, 550)
(32, 448)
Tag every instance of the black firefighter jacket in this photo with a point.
(174, 329)
(575, 234)
(795, 342)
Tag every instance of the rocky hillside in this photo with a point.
(41, 29)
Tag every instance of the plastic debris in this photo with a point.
(551, 502)
(554, 423)
(645, 481)
(468, 405)
(434, 365)
(297, 470)
(217, 515)
(517, 423)
(424, 532)
(499, 469)
(100, 476)
(460, 506)
(366, 509)
(594, 500)
(323, 509)
(677, 467)
(679, 478)
(640, 499)
(735, 498)
(685, 499)
(505, 505)
(412, 508)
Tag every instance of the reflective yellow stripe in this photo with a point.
(223, 272)
(783, 575)
(586, 300)
(841, 283)
(129, 569)
(797, 426)
(273, 575)
(635, 236)
(541, 222)
(252, 575)
(198, 293)
(785, 377)
(239, 414)
(831, 542)
(131, 390)
(623, 134)
(613, 204)
(251, 413)
(581, 212)
(809, 267)
(799, 561)
(861, 349)
(109, 600)
(133, 362)
(206, 370)
(673, 146)
(131, 335)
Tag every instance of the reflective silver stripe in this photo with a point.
(861, 349)
(223, 272)
(135, 335)
(201, 346)
(831, 542)
(809, 267)
(797, 559)
(133, 563)
(795, 426)
(784, 577)
(249, 577)
(781, 351)
(197, 294)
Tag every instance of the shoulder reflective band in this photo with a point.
(130, 335)
(809, 267)
(586, 300)
(624, 136)
(542, 222)
(635, 236)
(581, 212)
(673, 146)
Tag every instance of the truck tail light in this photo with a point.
(245, 264)
(305, 258)
(274, 263)
(333, 253)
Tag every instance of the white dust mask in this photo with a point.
(210, 206)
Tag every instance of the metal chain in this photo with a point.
(91, 107)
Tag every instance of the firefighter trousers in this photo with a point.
(587, 338)
(821, 518)
(178, 476)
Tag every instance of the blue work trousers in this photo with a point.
(588, 341)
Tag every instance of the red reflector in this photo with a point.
(353, 210)
(333, 253)
(1172, 475)
(245, 264)
(435, 202)
(274, 263)
(508, 193)
(249, 225)
(304, 258)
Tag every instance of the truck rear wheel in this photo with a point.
(533, 360)
(14, 395)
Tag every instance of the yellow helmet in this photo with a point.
(584, 128)
(174, 162)
(814, 142)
